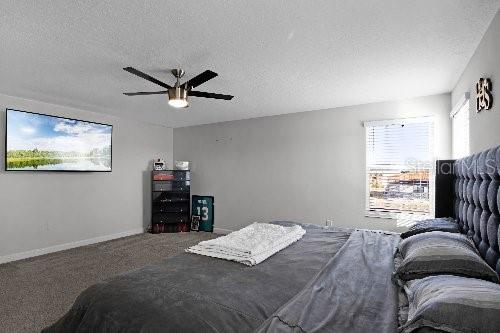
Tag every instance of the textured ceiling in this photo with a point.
(275, 57)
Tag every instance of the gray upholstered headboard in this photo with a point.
(474, 184)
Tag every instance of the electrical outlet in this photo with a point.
(329, 222)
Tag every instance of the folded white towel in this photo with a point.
(250, 245)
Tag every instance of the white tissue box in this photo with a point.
(181, 165)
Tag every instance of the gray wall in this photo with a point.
(42, 209)
(484, 126)
(306, 167)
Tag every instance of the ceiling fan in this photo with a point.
(178, 94)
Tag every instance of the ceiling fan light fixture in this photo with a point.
(178, 94)
(177, 97)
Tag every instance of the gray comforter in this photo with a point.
(192, 293)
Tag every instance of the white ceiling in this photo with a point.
(274, 56)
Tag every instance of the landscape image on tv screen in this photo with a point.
(41, 142)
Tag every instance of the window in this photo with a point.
(399, 160)
(460, 128)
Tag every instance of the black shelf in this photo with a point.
(173, 200)
(170, 201)
(173, 191)
(175, 180)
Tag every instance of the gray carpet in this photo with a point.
(35, 292)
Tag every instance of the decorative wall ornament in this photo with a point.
(484, 99)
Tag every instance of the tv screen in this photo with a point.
(48, 143)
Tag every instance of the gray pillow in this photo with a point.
(452, 304)
(438, 252)
(440, 224)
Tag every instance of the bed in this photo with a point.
(192, 293)
(331, 280)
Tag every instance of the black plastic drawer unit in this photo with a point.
(171, 197)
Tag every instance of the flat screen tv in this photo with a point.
(47, 143)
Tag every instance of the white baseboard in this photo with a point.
(222, 231)
(66, 246)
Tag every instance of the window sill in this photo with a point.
(403, 219)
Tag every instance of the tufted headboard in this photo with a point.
(473, 182)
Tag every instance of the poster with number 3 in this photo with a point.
(203, 206)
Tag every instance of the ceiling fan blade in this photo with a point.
(146, 93)
(209, 95)
(199, 79)
(146, 77)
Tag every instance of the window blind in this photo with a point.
(460, 130)
(399, 163)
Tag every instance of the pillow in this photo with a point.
(438, 252)
(452, 304)
(440, 224)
